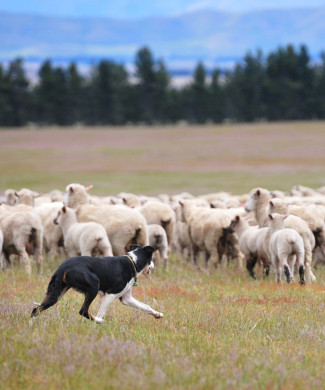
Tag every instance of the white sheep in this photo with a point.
(161, 214)
(124, 226)
(85, 239)
(259, 202)
(10, 197)
(206, 228)
(53, 241)
(27, 197)
(251, 243)
(22, 234)
(158, 240)
(301, 226)
(286, 247)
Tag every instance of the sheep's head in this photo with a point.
(76, 195)
(256, 196)
(58, 218)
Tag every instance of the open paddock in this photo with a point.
(221, 329)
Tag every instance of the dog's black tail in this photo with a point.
(53, 294)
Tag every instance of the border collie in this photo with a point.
(111, 277)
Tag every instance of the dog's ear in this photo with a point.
(134, 246)
(149, 250)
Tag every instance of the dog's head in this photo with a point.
(143, 257)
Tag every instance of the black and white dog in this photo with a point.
(112, 277)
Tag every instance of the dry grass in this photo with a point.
(221, 330)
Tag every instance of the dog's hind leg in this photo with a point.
(90, 289)
(50, 299)
(127, 299)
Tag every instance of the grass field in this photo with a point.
(221, 330)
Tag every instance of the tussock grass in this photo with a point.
(221, 330)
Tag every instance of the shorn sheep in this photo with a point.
(85, 239)
(286, 247)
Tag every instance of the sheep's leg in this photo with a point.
(107, 252)
(39, 250)
(207, 256)
(277, 268)
(310, 277)
(250, 264)
(195, 251)
(286, 268)
(301, 268)
(164, 255)
(291, 263)
(127, 299)
(26, 260)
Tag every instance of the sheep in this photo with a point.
(286, 247)
(228, 245)
(76, 195)
(251, 243)
(10, 197)
(161, 214)
(53, 241)
(158, 240)
(85, 239)
(301, 226)
(27, 197)
(205, 227)
(22, 234)
(182, 240)
(124, 226)
(259, 202)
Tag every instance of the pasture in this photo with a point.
(222, 329)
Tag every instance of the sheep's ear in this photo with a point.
(237, 218)
(181, 203)
(89, 187)
(71, 190)
(258, 192)
(64, 209)
(271, 203)
(212, 206)
(16, 194)
(125, 201)
(270, 217)
(36, 195)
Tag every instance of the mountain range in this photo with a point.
(213, 37)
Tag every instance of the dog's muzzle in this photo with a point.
(149, 269)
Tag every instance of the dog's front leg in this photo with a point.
(127, 299)
(106, 302)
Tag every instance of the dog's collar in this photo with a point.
(135, 271)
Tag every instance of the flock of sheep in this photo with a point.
(282, 232)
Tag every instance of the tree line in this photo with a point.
(284, 85)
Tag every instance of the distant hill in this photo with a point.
(210, 36)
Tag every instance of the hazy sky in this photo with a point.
(143, 8)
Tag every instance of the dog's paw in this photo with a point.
(99, 320)
(158, 315)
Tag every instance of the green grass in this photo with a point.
(220, 330)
